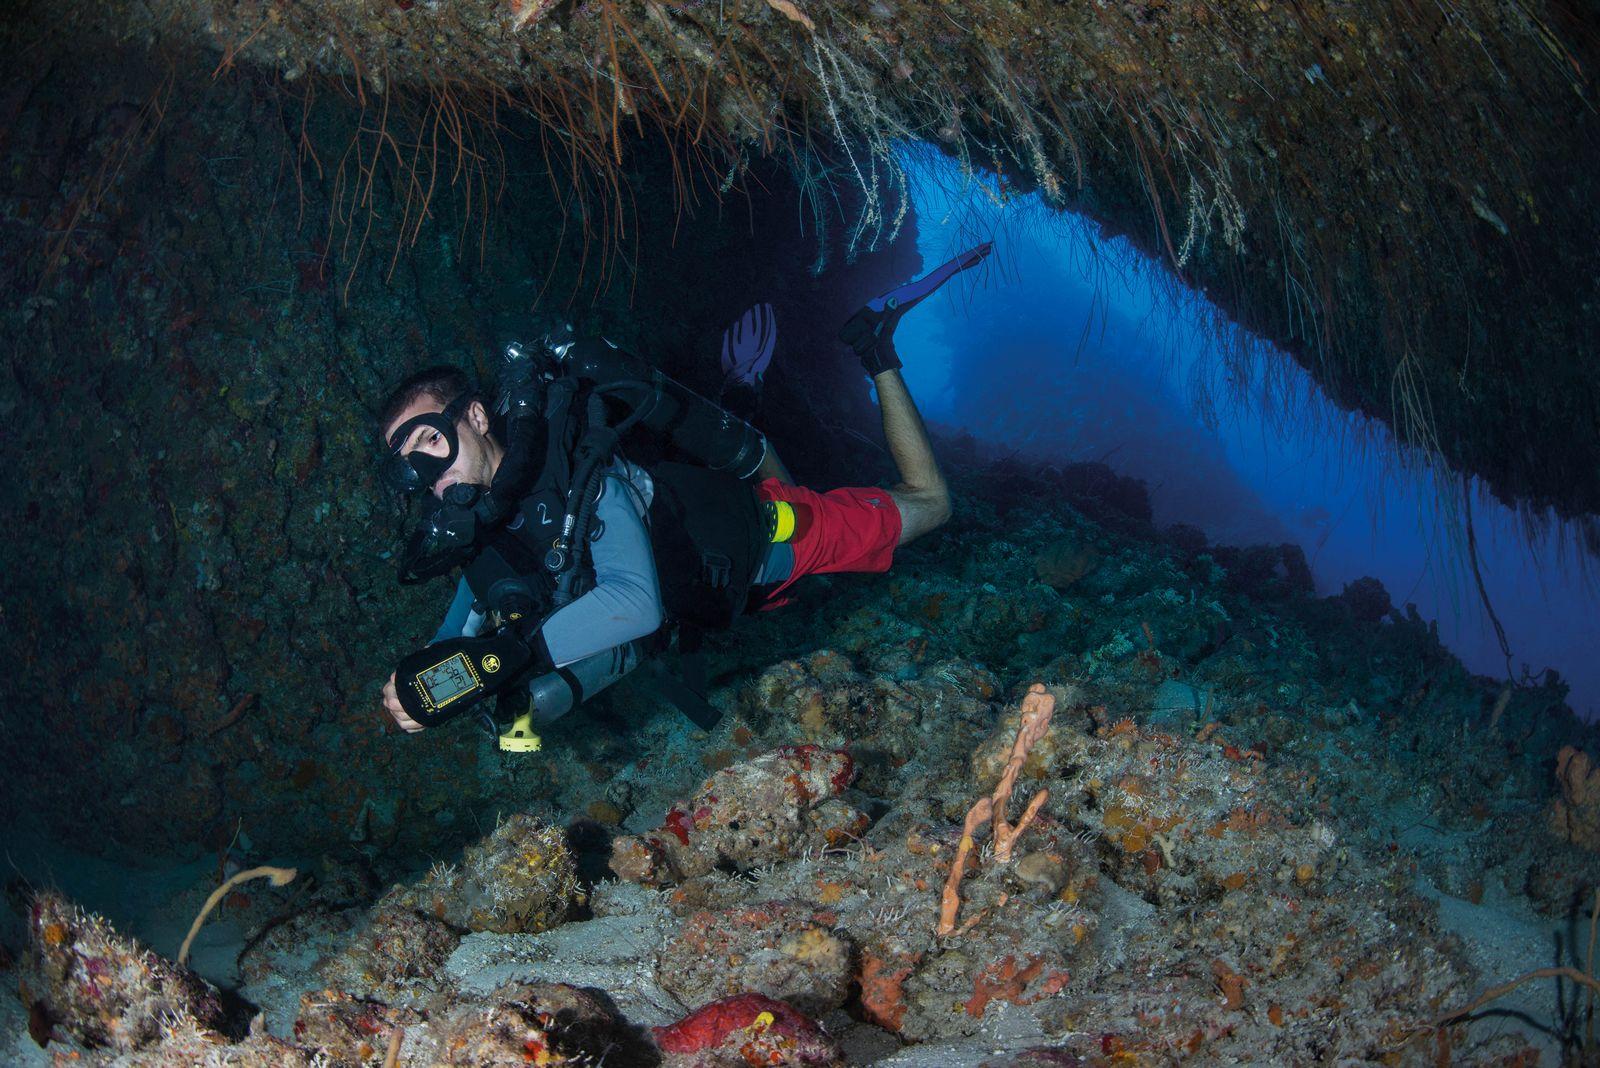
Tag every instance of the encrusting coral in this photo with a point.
(521, 878)
(396, 956)
(784, 950)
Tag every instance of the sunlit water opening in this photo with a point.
(1070, 346)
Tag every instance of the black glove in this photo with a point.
(871, 335)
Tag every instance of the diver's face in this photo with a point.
(477, 454)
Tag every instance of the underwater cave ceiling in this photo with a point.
(1400, 194)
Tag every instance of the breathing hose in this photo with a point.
(598, 445)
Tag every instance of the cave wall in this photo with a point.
(204, 303)
(1402, 195)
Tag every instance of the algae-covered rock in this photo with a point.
(399, 953)
(522, 878)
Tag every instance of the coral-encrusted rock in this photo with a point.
(1183, 836)
(1575, 815)
(399, 953)
(348, 1030)
(538, 1023)
(753, 813)
(774, 948)
(823, 699)
(749, 1029)
(837, 823)
(104, 989)
(522, 879)
(922, 989)
(896, 713)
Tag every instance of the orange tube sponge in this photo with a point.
(1037, 709)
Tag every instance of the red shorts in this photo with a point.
(847, 529)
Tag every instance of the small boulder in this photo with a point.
(400, 952)
(522, 879)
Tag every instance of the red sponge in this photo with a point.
(747, 1029)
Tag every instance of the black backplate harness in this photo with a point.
(449, 677)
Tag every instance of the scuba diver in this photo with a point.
(573, 555)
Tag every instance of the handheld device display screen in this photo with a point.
(448, 680)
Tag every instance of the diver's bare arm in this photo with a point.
(772, 467)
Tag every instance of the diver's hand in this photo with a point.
(870, 335)
(391, 705)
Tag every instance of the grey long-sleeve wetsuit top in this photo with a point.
(626, 600)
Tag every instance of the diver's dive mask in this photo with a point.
(416, 471)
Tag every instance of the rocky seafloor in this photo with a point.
(1203, 815)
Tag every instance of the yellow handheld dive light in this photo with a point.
(519, 737)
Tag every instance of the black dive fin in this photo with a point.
(680, 691)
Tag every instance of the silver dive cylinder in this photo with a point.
(552, 694)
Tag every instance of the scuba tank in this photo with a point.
(555, 693)
(701, 432)
(559, 692)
